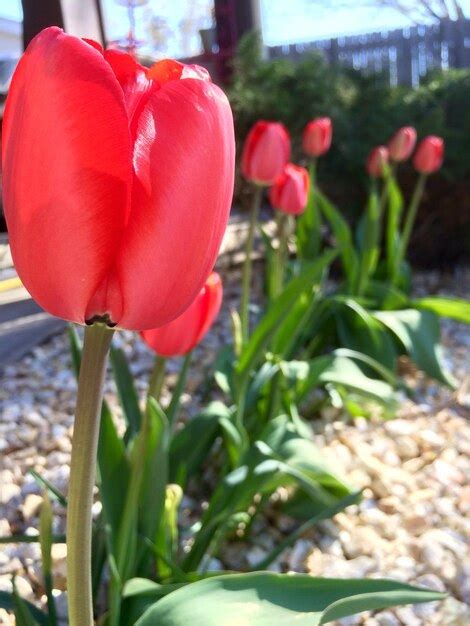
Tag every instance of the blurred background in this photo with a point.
(371, 65)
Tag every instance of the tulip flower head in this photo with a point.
(290, 191)
(316, 139)
(402, 144)
(265, 153)
(377, 161)
(118, 181)
(184, 333)
(429, 155)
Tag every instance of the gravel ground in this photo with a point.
(412, 524)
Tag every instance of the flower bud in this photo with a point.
(290, 191)
(402, 144)
(316, 139)
(429, 155)
(266, 151)
(378, 159)
(181, 335)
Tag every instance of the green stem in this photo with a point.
(308, 227)
(82, 473)
(409, 222)
(157, 378)
(282, 235)
(390, 175)
(369, 252)
(176, 397)
(315, 233)
(247, 266)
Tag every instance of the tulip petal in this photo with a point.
(182, 334)
(131, 76)
(184, 169)
(67, 171)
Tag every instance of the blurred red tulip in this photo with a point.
(402, 144)
(429, 155)
(378, 159)
(290, 191)
(266, 151)
(184, 333)
(117, 181)
(316, 139)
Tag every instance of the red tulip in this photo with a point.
(402, 144)
(266, 151)
(429, 155)
(117, 181)
(316, 139)
(290, 191)
(184, 333)
(378, 159)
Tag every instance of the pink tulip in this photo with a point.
(429, 155)
(402, 144)
(316, 139)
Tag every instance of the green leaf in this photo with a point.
(45, 530)
(20, 538)
(374, 365)
(455, 308)
(303, 463)
(279, 309)
(51, 489)
(264, 599)
(7, 602)
(359, 330)
(370, 246)
(385, 296)
(154, 473)
(342, 370)
(270, 261)
(392, 235)
(308, 227)
(126, 390)
(343, 236)
(223, 369)
(281, 456)
(327, 513)
(75, 349)
(419, 333)
(23, 615)
(190, 446)
(114, 472)
(139, 594)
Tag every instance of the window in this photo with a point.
(160, 28)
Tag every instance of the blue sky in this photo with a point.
(283, 21)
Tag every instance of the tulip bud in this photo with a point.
(378, 159)
(184, 333)
(402, 144)
(290, 191)
(266, 151)
(118, 181)
(429, 155)
(316, 139)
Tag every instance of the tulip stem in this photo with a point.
(409, 223)
(247, 267)
(157, 378)
(82, 473)
(282, 235)
(176, 397)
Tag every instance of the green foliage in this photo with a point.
(365, 110)
(262, 599)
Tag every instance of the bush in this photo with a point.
(366, 111)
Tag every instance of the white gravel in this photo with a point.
(412, 525)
